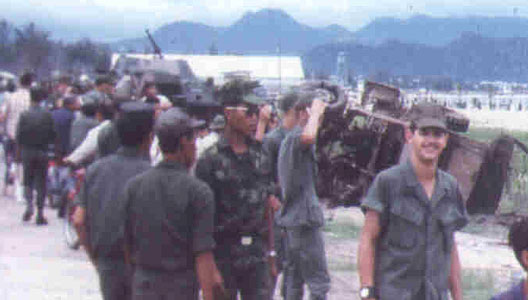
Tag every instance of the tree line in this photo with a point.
(30, 48)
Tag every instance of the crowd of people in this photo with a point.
(173, 206)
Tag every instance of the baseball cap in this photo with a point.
(177, 122)
(428, 115)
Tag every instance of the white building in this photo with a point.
(271, 71)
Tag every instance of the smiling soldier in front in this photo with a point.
(407, 247)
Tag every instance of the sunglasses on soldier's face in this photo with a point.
(432, 131)
(249, 110)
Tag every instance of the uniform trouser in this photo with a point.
(253, 283)
(306, 263)
(162, 285)
(9, 153)
(114, 279)
(35, 170)
(280, 248)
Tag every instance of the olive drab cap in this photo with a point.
(177, 122)
(428, 115)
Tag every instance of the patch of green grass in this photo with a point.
(515, 193)
(342, 230)
(489, 134)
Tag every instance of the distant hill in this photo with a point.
(439, 31)
(470, 57)
(260, 32)
(465, 48)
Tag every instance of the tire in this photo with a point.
(70, 234)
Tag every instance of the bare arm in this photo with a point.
(263, 120)
(79, 222)
(208, 275)
(367, 248)
(455, 282)
(309, 134)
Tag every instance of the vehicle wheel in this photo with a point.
(70, 234)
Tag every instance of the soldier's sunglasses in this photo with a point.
(249, 110)
(432, 131)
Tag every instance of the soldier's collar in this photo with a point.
(131, 151)
(409, 175)
(411, 182)
(171, 164)
(223, 143)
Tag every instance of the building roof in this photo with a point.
(216, 66)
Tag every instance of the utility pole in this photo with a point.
(280, 67)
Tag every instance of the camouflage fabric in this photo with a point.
(414, 250)
(240, 188)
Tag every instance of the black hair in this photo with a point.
(107, 110)
(104, 79)
(69, 100)
(26, 79)
(169, 142)
(38, 94)
(11, 86)
(134, 127)
(518, 238)
(288, 102)
(89, 109)
(147, 86)
(305, 100)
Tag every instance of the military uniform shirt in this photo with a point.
(108, 140)
(297, 170)
(271, 145)
(240, 190)
(79, 130)
(169, 218)
(101, 195)
(413, 252)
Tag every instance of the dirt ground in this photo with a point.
(488, 263)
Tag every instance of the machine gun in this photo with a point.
(155, 46)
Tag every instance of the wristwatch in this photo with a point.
(368, 292)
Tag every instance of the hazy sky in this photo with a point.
(111, 19)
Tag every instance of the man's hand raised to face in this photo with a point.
(265, 113)
(318, 107)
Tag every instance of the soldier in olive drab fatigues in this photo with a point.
(271, 145)
(233, 170)
(407, 246)
(301, 214)
(101, 216)
(34, 133)
(169, 220)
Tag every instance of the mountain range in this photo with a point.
(471, 57)
(262, 32)
(427, 30)
(471, 48)
(265, 32)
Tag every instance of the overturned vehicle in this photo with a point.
(356, 141)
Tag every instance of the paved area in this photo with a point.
(35, 262)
